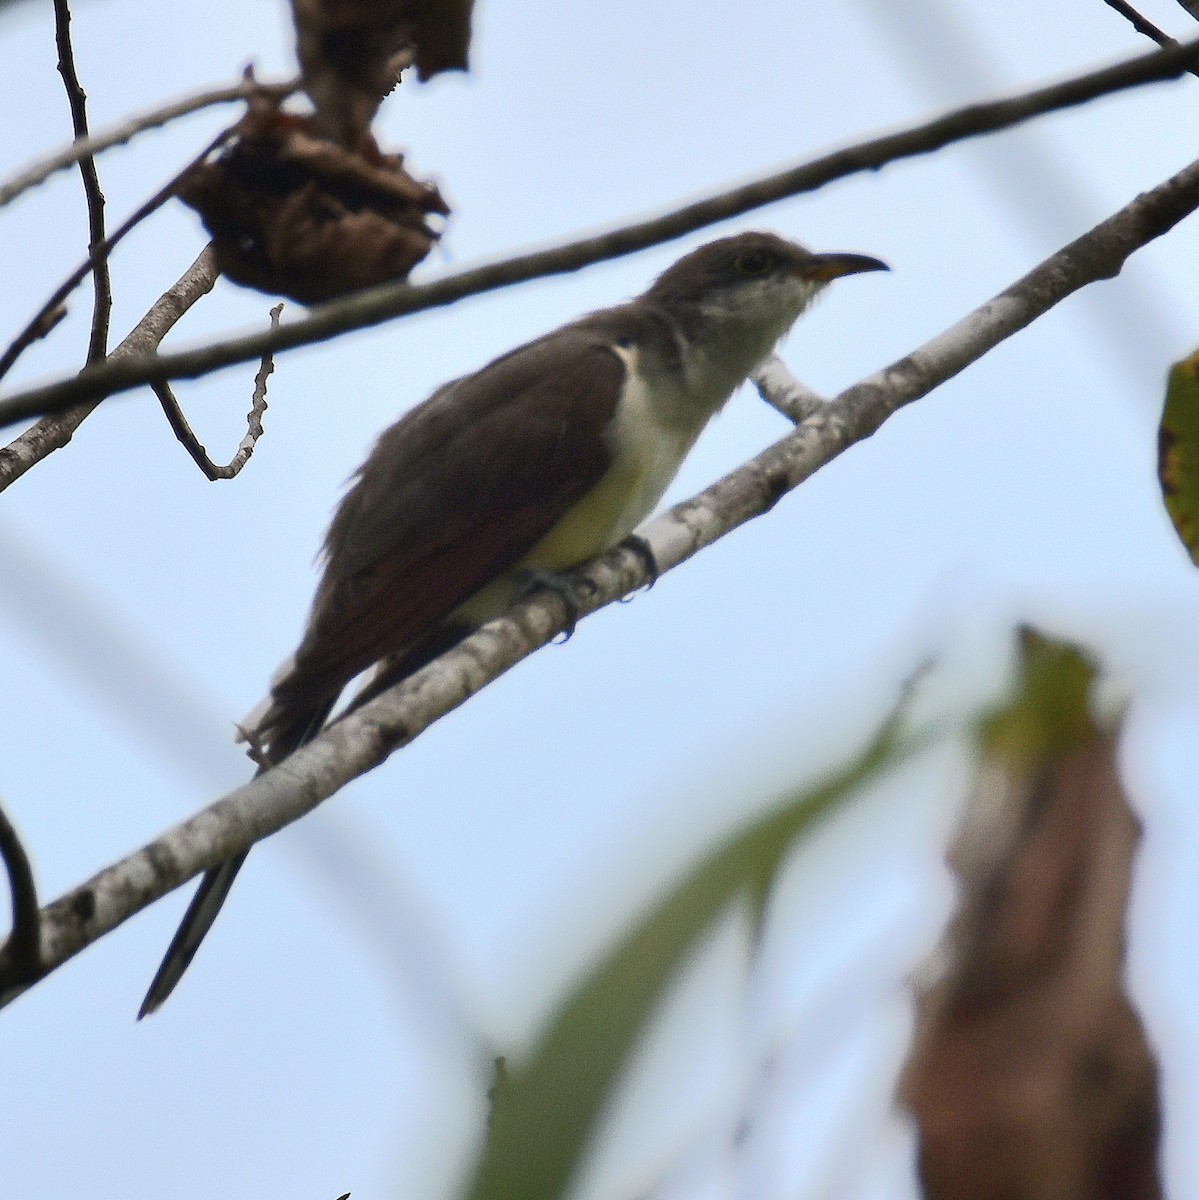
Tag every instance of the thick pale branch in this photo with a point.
(90, 146)
(366, 737)
(380, 304)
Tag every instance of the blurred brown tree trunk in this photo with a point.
(1030, 1076)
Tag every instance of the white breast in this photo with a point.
(653, 429)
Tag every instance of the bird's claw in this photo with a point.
(637, 546)
(563, 586)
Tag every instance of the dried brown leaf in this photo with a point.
(351, 52)
(293, 213)
(1031, 1076)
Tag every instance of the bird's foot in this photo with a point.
(636, 545)
(565, 586)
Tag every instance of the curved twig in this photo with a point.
(187, 437)
(373, 306)
(368, 735)
(22, 951)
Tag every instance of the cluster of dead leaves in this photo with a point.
(308, 206)
(292, 212)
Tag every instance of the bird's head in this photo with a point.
(752, 281)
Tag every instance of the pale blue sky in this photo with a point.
(331, 1035)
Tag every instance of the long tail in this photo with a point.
(299, 705)
(214, 886)
(196, 923)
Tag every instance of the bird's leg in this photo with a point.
(564, 585)
(637, 546)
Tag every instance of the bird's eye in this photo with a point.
(753, 262)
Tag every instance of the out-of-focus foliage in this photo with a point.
(1178, 452)
(1030, 1074)
(544, 1110)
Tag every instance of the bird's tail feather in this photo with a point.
(295, 713)
(197, 921)
(214, 886)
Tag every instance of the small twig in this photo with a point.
(128, 130)
(22, 951)
(186, 435)
(376, 305)
(97, 345)
(1192, 7)
(37, 328)
(784, 393)
(53, 432)
(1142, 25)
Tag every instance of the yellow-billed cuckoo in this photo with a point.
(544, 458)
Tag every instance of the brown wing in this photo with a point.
(452, 495)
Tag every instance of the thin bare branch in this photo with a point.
(125, 132)
(97, 345)
(23, 948)
(53, 432)
(37, 328)
(186, 435)
(1143, 25)
(373, 306)
(367, 736)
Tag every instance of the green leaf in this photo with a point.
(1178, 452)
(1049, 714)
(543, 1110)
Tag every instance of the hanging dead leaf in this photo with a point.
(294, 214)
(1178, 452)
(352, 51)
(1030, 1074)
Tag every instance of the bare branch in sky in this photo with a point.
(375, 305)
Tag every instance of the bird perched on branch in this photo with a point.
(546, 457)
